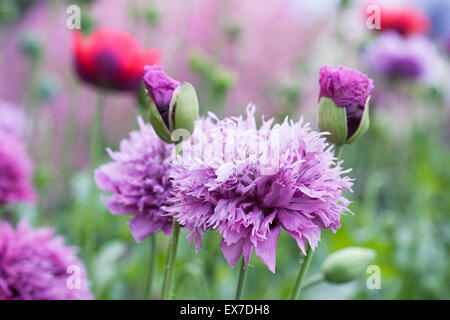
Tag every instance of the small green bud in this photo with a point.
(31, 46)
(347, 264)
(47, 87)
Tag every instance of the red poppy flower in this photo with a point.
(405, 20)
(112, 59)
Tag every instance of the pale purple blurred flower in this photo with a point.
(392, 55)
(231, 193)
(447, 44)
(36, 265)
(15, 171)
(13, 120)
(138, 179)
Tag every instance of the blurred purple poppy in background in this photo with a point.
(15, 171)
(393, 56)
(37, 265)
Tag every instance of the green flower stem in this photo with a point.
(241, 280)
(151, 269)
(169, 272)
(69, 133)
(338, 150)
(302, 274)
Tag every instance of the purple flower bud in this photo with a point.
(160, 87)
(345, 86)
(348, 89)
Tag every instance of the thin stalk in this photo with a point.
(302, 274)
(151, 269)
(169, 272)
(241, 280)
(311, 282)
(338, 150)
(96, 133)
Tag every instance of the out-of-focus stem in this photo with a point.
(151, 269)
(96, 133)
(310, 282)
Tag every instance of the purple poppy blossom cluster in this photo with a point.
(138, 180)
(36, 265)
(222, 183)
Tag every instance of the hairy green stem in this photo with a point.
(169, 272)
(241, 280)
(302, 274)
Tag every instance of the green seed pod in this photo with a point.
(347, 264)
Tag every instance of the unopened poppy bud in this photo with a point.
(347, 264)
(343, 103)
(172, 105)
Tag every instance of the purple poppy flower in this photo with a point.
(249, 183)
(36, 265)
(138, 179)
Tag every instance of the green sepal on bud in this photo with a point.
(347, 264)
(183, 112)
(333, 119)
